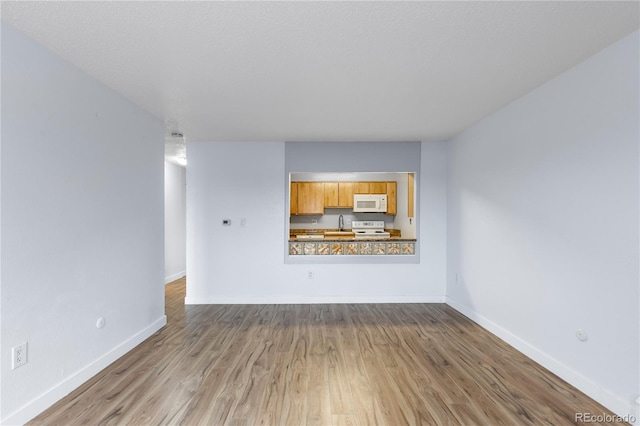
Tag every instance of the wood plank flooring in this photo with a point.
(343, 364)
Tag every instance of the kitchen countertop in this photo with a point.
(318, 235)
(318, 243)
(345, 239)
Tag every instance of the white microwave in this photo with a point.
(369, 203)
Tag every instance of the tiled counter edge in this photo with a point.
(351, 248)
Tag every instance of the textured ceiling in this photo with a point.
(323, 70)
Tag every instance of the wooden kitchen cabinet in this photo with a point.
(369, 187)
(311, 198)
(377, 187)
(338, 194)
(361, 187)
(411, 189)
(331, 191)
(392, 201)
(345, 194)
(293, 198)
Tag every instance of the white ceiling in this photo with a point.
(316, 71)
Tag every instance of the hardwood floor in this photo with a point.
(343, 364)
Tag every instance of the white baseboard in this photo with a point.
(57, 392)
(605, 397)
(307, 300)
(174, 277)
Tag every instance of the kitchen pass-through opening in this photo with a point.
(352, 218)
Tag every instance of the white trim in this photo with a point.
(174, 277)
(613, 402)
(293, 299)
(36, 406)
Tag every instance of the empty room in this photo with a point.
(320, 213)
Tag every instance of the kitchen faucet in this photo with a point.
(341, 223)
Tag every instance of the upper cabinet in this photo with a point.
(392, 201)
(377, 187)
(331, 194)
(361, 187)
(293, 204)
(338, 194)
(311, 198)
(345, 194)
(411, 190)
(369, 187)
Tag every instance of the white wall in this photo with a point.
(81, 229)
(175, 222)
(2, 360)
(247, 265)
(543, 224)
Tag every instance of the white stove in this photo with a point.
(369, 229)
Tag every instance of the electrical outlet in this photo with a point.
(314, 221)
(18, 356)
(310, 275)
